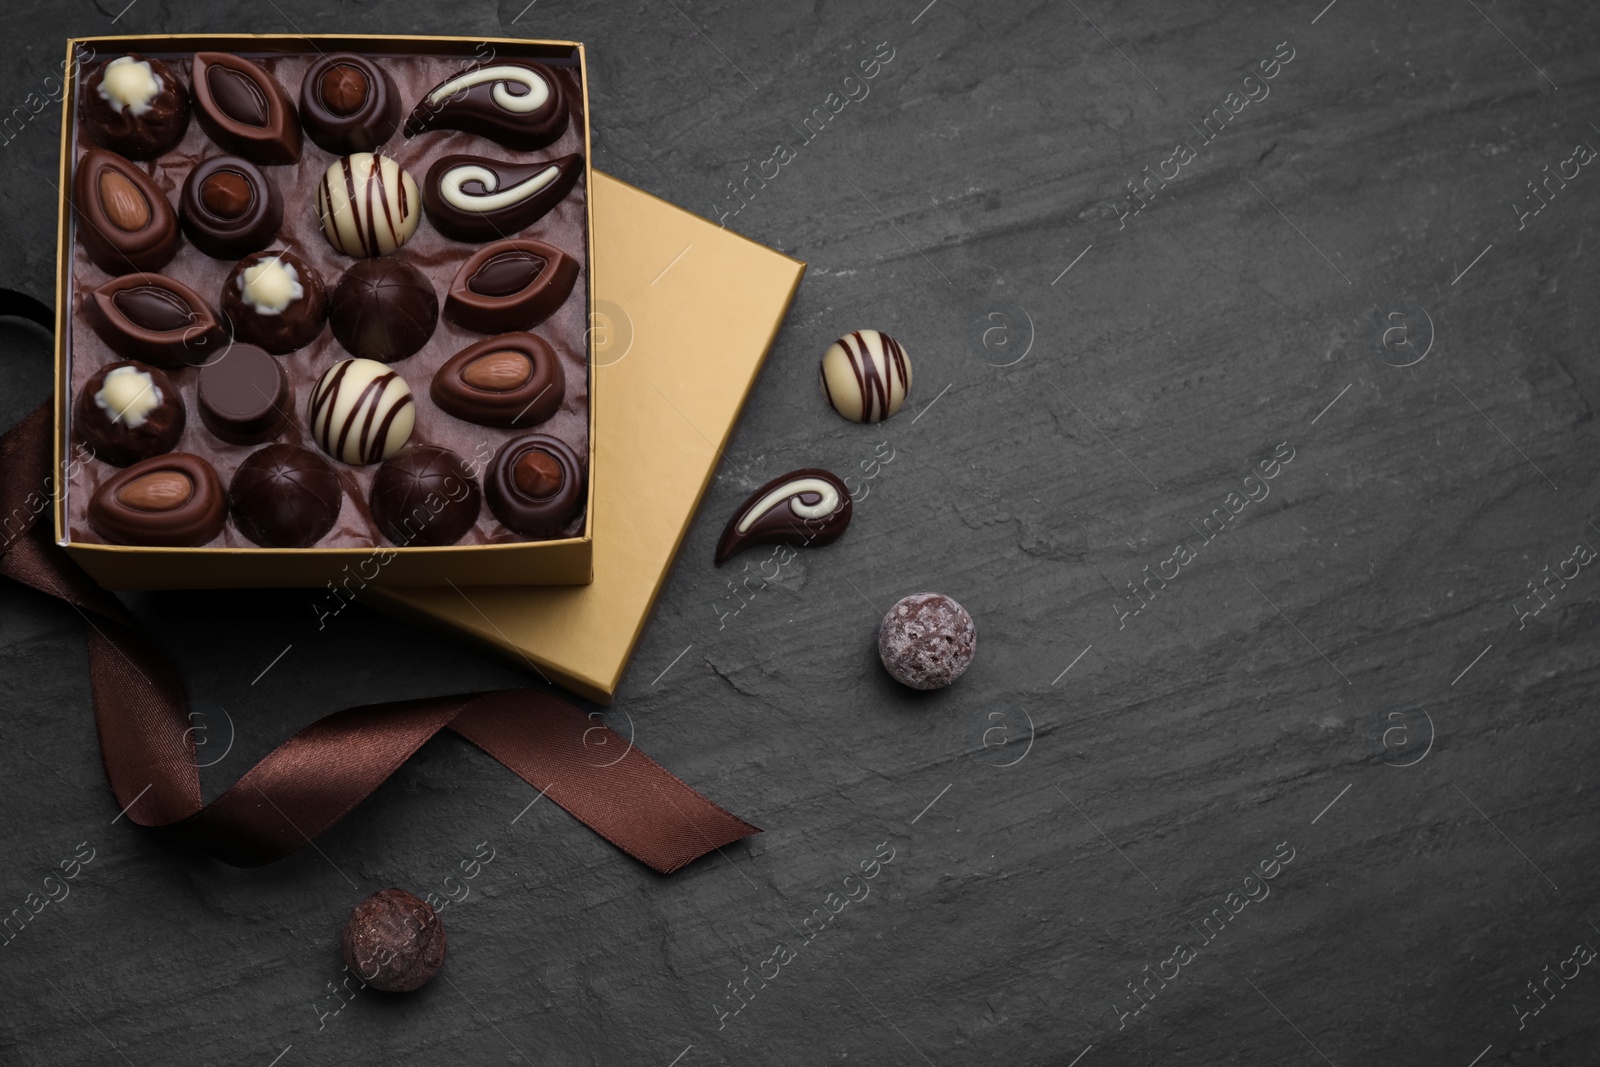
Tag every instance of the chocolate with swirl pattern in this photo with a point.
(474, 198)
(804, 507)
(519, 103)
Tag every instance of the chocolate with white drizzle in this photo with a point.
(368, 205)
(361, 411)
(865, 375)
(473, 198)
(804, 507)
(521, 104)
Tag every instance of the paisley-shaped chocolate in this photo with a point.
(803, 507)
(124, 221)
(521, 104)
(349, 104)
(244, 109)
(535, 485)
(472, 198)
(171, 501)
(135, 106)
(513, 284)
(512, 380)
(230, 208)
(155, 318)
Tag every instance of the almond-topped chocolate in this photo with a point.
(514, 380)
(513, 284)
(123, 220)
(155, 318)
(244, 109)
(172, 501)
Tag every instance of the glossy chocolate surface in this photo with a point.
(425, 495)
(172, 501)
(250, 301)
(522, 104)
(144, 126)
(285, 496)
(244, 396)
(535, 485)
(154, 318)
(230, 207)
(138, 414)
(437, 256)
(348, 103)
(244, 109)
(475, 198)
(514, 284)
(383, 309)
(122, 218)
(804, 508)
(513, 380)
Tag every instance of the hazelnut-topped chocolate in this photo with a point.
(230, 207)
(135, 106)
(349, 104)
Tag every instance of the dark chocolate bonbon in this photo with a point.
(513, 284)
(244, 110)
(425, 495)
(285, 496)
(135, 106)
(230, 207)
(521, 104)
(535, 485)
(129, 411)
(474, 198)
(804, 507)
(348, 103)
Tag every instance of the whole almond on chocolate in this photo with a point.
(124, 205)
(165, 490)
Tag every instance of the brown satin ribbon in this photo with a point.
(316, 777)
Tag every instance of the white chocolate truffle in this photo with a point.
(270, 286)
(865, 375)
(361, 411)
(128, 396)
(368, 205)
(130, 83)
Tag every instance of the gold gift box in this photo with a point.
(563, 561)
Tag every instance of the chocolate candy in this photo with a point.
(472, 198)
(230, 208)
(275, 300)
(135, 106)
(926, 641)
(865, 375)
(244, 109)
(394, 942)
(124, 221)
(155, 318)
(171, 501)
(383, 309)
(521, 104)
(127, 412)
(511, 380)
(425, 495)
(513, 284)
(349, 104)
(535, 485)
(361, 411)
(368, 205)
(244, 396)
(803, 507)
(285, 496)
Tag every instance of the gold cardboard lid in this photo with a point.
(685, 313)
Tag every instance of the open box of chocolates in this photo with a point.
(323, 309)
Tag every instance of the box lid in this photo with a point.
(685, 312)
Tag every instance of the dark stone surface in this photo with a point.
(1028, 885)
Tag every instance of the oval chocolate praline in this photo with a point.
(230, 208)
(512, 380)
(275, 300)
(472, 100)
(425, 495)
(285, 496)
(244, 109)
(244, 396)
(134, 106)
(473, 198)
(349, 104)
(535, 485)
(124, 221)
(513, 284)
(171, 501)
(383, 309)
(154, 318)
(128, 411)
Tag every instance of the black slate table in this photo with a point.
(1135, 274)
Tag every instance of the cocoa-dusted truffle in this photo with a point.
(394, 941)
(285, 496)
(425, 495)
(135, 106)
(275, 300)
(128, 411)
(383, 309)
(926, 641)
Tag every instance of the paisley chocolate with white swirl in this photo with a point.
(521, 104)
(472, 198)
(361, 411)
(804, 507)
(865, 375)
(368, 205)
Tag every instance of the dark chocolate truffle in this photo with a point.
(425, 495)
(171, 501)
(230, 207)
(244, 109)
(394, 941)
(123, 220)
(926, 640)
(127, 412)
(285, 496)
(535, 485)
(349, 104)
(135, 106)
(244, 396)
(383, 309)
(275, 300)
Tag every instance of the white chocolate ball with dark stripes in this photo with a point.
(361, 411)
(368, 205)
(865, 375)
